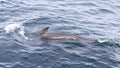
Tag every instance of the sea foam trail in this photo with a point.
(13, 26)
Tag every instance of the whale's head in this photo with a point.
(44, 30)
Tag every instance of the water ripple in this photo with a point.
(92, 19)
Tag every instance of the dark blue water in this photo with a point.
(93, 19)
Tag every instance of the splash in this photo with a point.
(110, 40)
(12, 27)
(102, 40)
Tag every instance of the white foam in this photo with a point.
(109, 39)
(12, 27)
(102, 40)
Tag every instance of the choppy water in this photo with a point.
(93, 19)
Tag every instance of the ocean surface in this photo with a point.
(22, 47)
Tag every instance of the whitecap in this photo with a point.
(110, 39)
(102, 40)
(13, 26)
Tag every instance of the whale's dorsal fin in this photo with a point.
(44, 30)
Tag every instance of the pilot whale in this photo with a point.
(45, 34)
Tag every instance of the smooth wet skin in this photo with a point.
(58, 36)
(45, 34)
